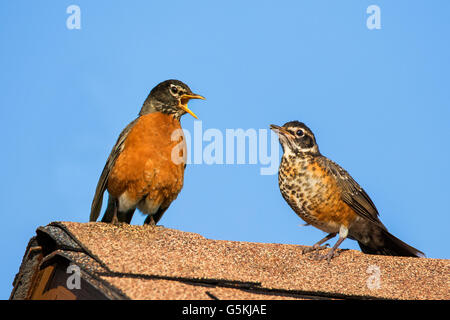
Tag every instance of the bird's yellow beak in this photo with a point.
(184, 101)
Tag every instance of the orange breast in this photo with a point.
(151, 162)
(329, 206)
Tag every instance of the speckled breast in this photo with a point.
(312, 192)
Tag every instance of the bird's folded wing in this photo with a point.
(352, 193)
(102, 182)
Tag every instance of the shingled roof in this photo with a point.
(144, 262)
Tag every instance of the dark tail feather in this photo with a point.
(109, 212)
(392, 246)
(96, 205)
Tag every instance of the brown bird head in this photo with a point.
(171, 97)
(296, 137)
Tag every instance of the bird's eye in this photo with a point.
(300, 133)
(174, 90)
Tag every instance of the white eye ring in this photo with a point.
(174, 89)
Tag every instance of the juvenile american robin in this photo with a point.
(145, 169)
(325, 196)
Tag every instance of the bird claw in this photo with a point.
(115, 221)
(315, 248)
(320, 257)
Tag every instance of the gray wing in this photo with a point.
(353, 194)
(102, 182)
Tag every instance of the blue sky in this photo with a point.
(377, 100)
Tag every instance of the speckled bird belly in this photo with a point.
(312, 193)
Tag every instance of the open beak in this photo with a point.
(185, 99)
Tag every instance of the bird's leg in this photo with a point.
(343, 232)
(317, 246)
(333, 252)
(115, 220)
(150, 221)
(153, 219)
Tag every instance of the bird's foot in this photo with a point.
(115, 221)
(330, 255)
(118, 223)
(315, 248)
(150, 225)
(149, 221)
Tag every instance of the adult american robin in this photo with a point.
(145, 169)
(325, 196)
